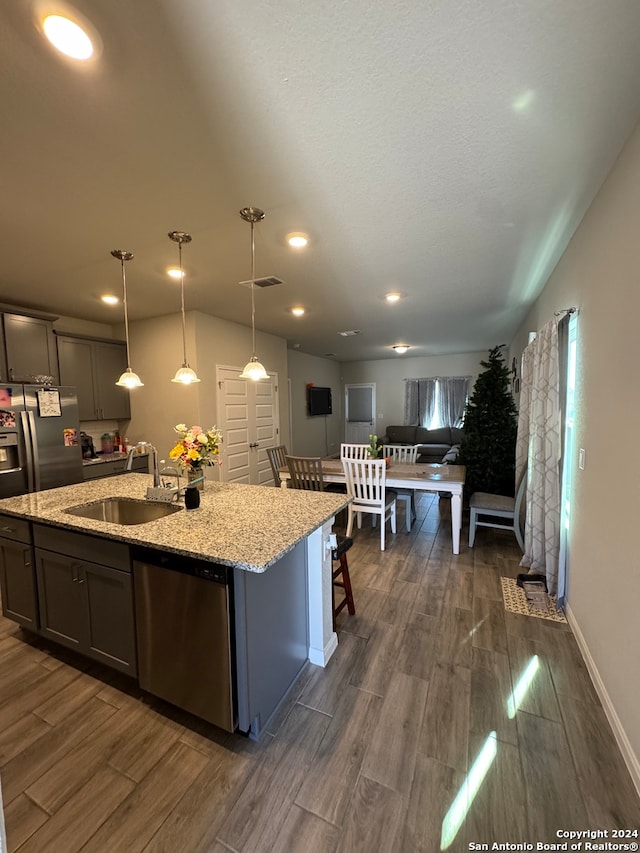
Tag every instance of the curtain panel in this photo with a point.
(452, 392)
(419, 401)
(539, 448)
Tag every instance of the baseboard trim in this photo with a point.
(321, 658)
(629, 756)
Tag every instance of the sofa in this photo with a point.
(434, 445)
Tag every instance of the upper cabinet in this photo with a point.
(93, 366)
(29, 349)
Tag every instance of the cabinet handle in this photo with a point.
(27, 559)
(81, 578)
(8, 529)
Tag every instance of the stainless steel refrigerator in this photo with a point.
(39, 438)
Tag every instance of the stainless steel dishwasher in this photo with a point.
(185, 634)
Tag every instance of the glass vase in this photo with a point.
(196, 474)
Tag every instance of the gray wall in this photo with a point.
(598, 274)
(156, 354)
(319, 435)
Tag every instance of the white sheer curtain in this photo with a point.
(419, 401)
(452, 391)
(539, 447)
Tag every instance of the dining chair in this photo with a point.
(508, 510)
(305, 472)
(406, 454)
(366, 484)
(277, 459)
(354, 451)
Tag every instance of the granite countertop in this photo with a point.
(248, 527)
(109, 457)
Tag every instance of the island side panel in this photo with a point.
(272, 629)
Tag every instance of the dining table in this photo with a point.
(421, 477)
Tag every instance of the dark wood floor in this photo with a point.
(368, 755)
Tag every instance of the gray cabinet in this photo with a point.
(17, 572)
(93, 365)
(29, 348)
(85, 604)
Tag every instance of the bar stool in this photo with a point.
(340, 577)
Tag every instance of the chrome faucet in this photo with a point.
(154, 452)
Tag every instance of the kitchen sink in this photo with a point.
(123, 510)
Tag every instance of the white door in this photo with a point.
(248, 420)
(359, 412)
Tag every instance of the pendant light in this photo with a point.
(253, 369)
(128, 379)
(185, 375)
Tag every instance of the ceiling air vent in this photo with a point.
(350, 333)
(266, 281)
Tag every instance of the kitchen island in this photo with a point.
(272, 540)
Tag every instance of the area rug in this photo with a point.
(515, 601)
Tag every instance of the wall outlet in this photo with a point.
(581, 459)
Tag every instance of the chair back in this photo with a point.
(354, 451)
(401, 453)
(277, 459)
(366, 481)
(306, 473)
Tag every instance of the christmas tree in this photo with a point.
(488, 446)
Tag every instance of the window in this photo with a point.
(436, 402)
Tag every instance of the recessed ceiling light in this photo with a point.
(400, 348)
(297, 239)
(108, 299)
(68, 37)
(392, 297)
(298, 311)
(175, 272)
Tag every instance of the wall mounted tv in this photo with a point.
(318, 400)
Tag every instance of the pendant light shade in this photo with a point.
(128, 379)
(185, 375)
(253, 369)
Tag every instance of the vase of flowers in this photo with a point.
(195, 449)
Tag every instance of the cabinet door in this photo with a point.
(75, 359)
(31, 349)
(17, 582)
(62, 599)
(87, 607)
(111, 634)
(110, 360)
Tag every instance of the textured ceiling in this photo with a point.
(444, 150)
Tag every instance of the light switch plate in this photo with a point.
(581, 456)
